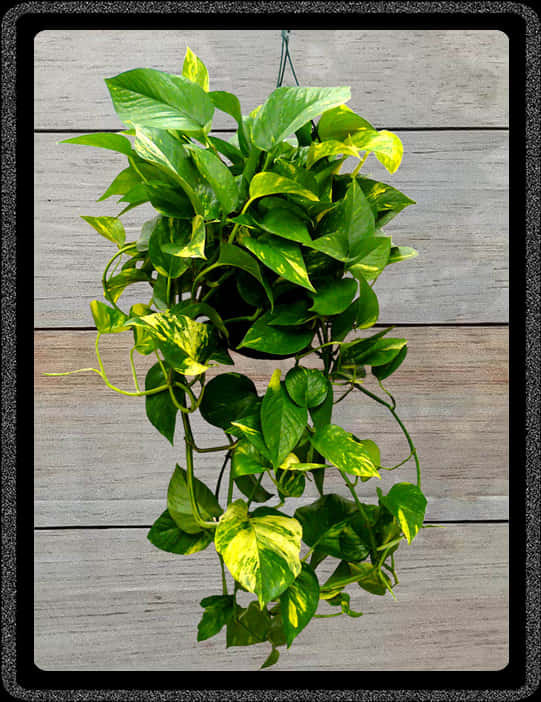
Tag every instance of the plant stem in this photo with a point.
(133, 371)
(220, 476)
(188, 440)
(360, 508)
(121, 251)
(101, 372)
(401, 425)
(224, 581)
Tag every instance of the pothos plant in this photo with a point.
(262, 246)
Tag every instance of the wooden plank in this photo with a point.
(99, 461)
(109, 600)
(398, 78)
(459, 226)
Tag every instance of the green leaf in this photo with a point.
(122, 184)
(321, 415)
(378, 353)
(250, 428)
(109, 227)
(340, 448)
(186, 243)
(179, 506)
(299, 602)
(159, 147)
(143, 341)
(228, 103)
(386, 146)
(361, 314)
(231, 255)
(282, 421)
(107, 319)
(228, 397)
(118, 283)
(384, 371)
(219, 610)
(218, 175)
(338, 122)
(195, 70)
(169, 202)
(271, 659)
(247, 484)
(167, 233)
(267, 183)
(192, 309)
(365, 574)
(283, 257)
(167, 536)
(160, 409)
(342, 600)
(329, 148)
(306, 386)
(407, 504)
(401, 253)
(260, 550)
(183, 342)
(385, 200)
(343, 229)
(104, 140)
(328, 524)
(248, 626)
(151, 98)
(281, 341)
(372, 257)
(229, 151)
(246, 460)
(290, 315)
(292, 463)
(286, 224)
(290, 483)
(334, 297)
(287, 109)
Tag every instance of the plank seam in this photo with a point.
(233, 131)
(101, 527)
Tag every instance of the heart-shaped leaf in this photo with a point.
(260, 550)
(346, 453)
(299, 603)
(166, 535)
(282, 421)
(179, 505)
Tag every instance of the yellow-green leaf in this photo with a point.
(346, 453)
(299, 602)
(109, 227)
(260, 550)
(195, 70)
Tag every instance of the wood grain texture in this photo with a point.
(99, 461)
(459, 226)
(109, 600)
(398, 78)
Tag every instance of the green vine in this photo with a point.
(260, 245)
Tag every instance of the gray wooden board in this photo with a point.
(109, 600)
(398, 78)
(99, 461)
(459, 226)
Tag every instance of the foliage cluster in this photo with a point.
(260, 245)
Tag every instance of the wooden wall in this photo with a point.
(108, 600)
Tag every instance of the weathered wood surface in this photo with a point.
(109, 600)
(398, 78)
(459, 226)
(99, 461)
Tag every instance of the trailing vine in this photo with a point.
(262, 246)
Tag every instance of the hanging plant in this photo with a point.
(262, 246)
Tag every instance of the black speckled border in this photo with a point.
(533, 331)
